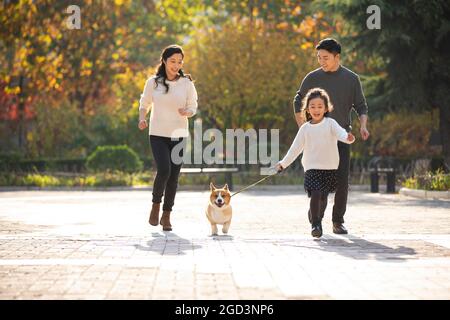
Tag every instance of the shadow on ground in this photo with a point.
(356, 248)
(168, 243)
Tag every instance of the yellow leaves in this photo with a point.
(40, 59)
(306, 45)
(119, 31)
(115, 56)
(30, 136)
(22, 53)
(45, 38)
(308, 26)
(86, 72)
(323, 34)
(120, 3)
(52, 82)
(86, 64)
(283, 26)
(86, 67)
(14, 90)
(297, 10)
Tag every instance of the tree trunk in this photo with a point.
(444, 129)
(21, 116)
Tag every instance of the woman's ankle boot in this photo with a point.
(154, 214)
(165, 221)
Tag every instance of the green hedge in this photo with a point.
(14, 163)
(114, 158)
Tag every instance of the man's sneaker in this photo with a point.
(339, 228)
(316, 230)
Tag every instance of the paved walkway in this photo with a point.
(98, 245)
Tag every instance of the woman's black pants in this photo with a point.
(167, 172)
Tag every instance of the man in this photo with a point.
(345, 91)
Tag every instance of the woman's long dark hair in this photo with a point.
(161, 75)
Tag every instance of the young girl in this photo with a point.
(172, 98)
(317, 138)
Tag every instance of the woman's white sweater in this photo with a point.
(165, 121)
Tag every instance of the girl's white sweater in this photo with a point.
(318, 142)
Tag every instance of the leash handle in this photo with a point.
(254, 184)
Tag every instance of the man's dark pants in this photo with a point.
(340, 199)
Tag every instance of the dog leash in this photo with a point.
(254, 184)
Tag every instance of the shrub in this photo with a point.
(40, 180)
(438, 181)
(114, 158)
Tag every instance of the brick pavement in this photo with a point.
(98, 245)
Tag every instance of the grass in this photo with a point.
(107, 179)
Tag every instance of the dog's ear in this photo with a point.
(226, 186)
(212, 186)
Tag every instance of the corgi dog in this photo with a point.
(219, 209)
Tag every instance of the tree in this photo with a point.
(411, 50)
(248, 59)
(44, 64)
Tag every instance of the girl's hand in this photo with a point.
(278, 167)
(185, 112)
(350, 137)
(142, 124)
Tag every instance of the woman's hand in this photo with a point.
(185, 112)
(350, 137)
(142, 124)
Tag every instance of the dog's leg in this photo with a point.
(226, 226)
(214, 230)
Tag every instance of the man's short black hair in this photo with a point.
(329, 44)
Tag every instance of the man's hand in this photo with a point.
(142, 124)
(299, 119)
(364, 133)
(363, 127)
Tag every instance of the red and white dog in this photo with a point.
(219, 209)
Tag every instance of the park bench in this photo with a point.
(228, 173)
(390, 179)
(382, 166)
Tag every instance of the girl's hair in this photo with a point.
(312, 94)
(161, 75)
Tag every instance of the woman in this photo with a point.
(172, 98)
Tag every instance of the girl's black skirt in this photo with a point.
(320, 180)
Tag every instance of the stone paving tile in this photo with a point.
(97, 245)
